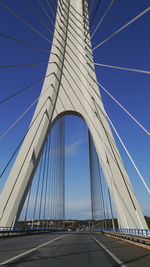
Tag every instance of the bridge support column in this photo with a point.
(71, 88)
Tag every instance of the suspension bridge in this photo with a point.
(41, 96)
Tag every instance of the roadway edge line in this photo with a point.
(30, 251)
(109, 252)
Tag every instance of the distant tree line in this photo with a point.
(108, 223)
(148, 221)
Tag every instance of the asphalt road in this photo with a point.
(75, 250)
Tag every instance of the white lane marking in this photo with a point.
(29, 251)
(109, 252)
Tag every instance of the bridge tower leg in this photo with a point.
(72, 89)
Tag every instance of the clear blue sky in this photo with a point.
(130, 48)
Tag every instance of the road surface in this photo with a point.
(76, 250)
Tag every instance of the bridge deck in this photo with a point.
(77, 249)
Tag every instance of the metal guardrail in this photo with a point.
(143, 240)
(138, 232)
(18, 231)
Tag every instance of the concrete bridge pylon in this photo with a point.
(71, 88)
